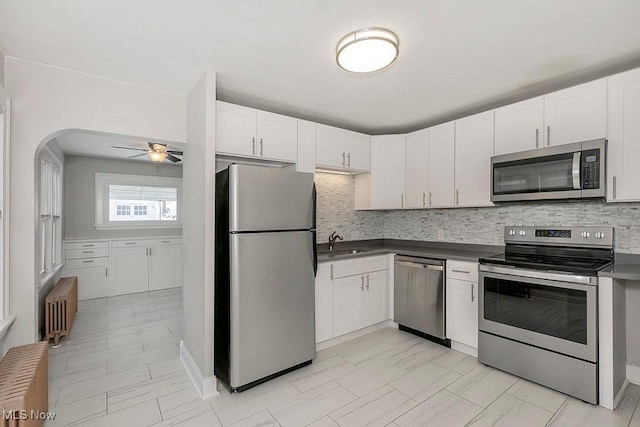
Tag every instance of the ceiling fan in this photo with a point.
(156, 152)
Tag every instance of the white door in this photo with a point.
(416, 179)
(235, 129)
(519, 126)
(329, 147)
(277, 136)
(576, 114)
(131, 270)
(306, 147)
(462, 312)
(358, 148)
(92, 283)
(165, 267)
(474, 148)
(324, 303)
(441, 165)
(387, 175)
(374, 301)
(623, 174)
(347, 297)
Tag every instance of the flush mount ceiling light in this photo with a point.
(157, 155)
(367, 50)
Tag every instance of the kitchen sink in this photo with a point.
(348, 252)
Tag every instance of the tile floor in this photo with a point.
(121, 367)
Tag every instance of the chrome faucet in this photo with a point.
(332, 239)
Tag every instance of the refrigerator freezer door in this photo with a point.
(266, 198)
(272, 304)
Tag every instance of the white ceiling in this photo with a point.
(456, 56)
(100, 145)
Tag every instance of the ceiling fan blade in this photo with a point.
(137, 155)
(178, 153)
(174, 159)
(128, 148)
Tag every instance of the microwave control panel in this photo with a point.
(590, 169)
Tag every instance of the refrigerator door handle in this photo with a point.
(315, 253)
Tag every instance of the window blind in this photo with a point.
(134, 192)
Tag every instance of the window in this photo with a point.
(136, 201)
(50, 213)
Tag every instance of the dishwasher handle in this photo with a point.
(420, 265)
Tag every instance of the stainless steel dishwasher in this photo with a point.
(419, 297)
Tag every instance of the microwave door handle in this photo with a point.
(575, 171)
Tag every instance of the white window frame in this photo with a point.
(50, 225)
(6, 319)
(104, 180)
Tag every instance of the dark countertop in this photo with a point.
(436, 250)
(626, 266)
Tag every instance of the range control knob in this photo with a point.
(586, 234)
(600, 234)
(512, 232)
(522, 232)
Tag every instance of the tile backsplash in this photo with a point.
(465, 225)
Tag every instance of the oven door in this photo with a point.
(553, 315)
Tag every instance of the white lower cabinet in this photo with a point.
(146, 265)
(351, 295)
(462, 305)
(89, 262)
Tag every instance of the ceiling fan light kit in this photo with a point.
(367, 50)
(157, 156)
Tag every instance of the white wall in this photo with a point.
(1, 68)
(198, 223)
(79, 191)
(45, 101)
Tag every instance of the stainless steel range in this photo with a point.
(538, 306)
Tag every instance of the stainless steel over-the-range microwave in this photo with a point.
(569, 171)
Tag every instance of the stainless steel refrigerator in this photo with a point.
(265, 265)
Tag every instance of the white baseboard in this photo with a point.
(463, 348)
(633, 374)
(620, 393)
(206, 387)
(344, 338)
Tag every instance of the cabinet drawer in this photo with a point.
(163, 242)
(462, 270)
(359, 266)
(86, 245)
(76, 264)
(129, 243)
(86, 253)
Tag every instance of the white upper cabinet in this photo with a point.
(441, 165)
(520, 126)
(243, 131)
(387, 171)
(416, 172)
(473, 151)
(306, 147)
(578, 113)
(342, 149)
(235, 129)
(277, 136)
(623, 174)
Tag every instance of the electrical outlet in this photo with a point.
(440, 234)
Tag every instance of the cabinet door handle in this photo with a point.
(614, 188)
(149, 251)
(424, 199)
(548, 135)
(402, 200)
(472, 298)
(537, 134)
(253, 145)
(87, 252)
(362, 285)
(130, 243)
(367, 282)
(88, 246)
(166, 241)
(261, 147)
(331, 267)
(106, 272)
(457, 197)
(343, 158)
(460, 271)
(429, 198)
(86, 262)
(349, 159)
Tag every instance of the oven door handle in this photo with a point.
(575, 171)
